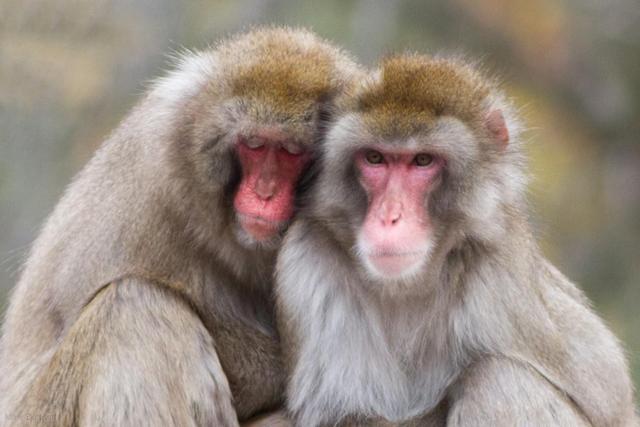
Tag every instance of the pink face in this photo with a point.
(271, 166)
(395, 237)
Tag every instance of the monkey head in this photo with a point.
(253, 112)
(422, 157)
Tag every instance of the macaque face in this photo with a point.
(397, 235)
(271, 165)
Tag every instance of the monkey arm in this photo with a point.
(138, 355)
(502, 392)
(251, 359)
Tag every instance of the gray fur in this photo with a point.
(143, 302)
(489, 333)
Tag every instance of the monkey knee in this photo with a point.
(503, 393)
(172, 370)
(491, 413)
(141, 356)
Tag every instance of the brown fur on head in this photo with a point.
(413, 90)
(288, 77)
(282, 76)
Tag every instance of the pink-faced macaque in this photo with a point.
(410, 289)
(147, 298)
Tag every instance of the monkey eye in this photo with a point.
(254, 143)
(293, 148)
(423, 159)
(374, 157)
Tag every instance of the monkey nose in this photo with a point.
(392, 219)
(265, 190)
(391, 213)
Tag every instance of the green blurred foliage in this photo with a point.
(70, 70)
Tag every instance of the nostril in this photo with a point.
(390, 220)
(389, 214)
(266, 196)
(395, 218)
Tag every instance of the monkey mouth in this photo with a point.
(388, 263)
(390, 253)
(260, 228)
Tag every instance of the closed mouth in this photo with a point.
(261, 220)
(392, 254)
(260, 228)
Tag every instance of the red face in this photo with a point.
(395, 237)
(271, 166)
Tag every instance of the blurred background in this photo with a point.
(70, 70)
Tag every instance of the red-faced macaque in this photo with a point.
(410, 290)
(146, 299)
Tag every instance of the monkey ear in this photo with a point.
(498, 127)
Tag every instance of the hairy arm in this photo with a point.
(502, 392)
(118, 365)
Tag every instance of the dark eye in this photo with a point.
(423, 159)
(374, 157)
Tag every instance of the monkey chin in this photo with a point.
(394, 266)
(257, 233)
